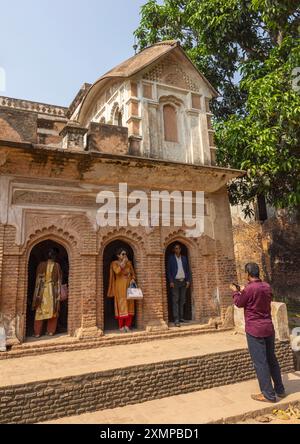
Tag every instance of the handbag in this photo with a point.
(64, 292)
(133, 292)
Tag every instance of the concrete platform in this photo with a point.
(60, 365)
(226, 404)
(65, 343)
(50, 386)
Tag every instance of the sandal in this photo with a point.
(261, 397)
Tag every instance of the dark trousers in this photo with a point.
(262, 352)
(178, 299)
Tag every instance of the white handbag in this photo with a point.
(134, 293)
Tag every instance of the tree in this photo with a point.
(248, 49)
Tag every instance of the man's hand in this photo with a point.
(124, 261)
(233, 288)
(188, 284)
(172, 285)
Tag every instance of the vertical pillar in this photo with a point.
(89, 329)
(153, 302)
(2, 228)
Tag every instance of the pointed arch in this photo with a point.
(68, 243)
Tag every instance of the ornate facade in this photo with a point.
(146, 123)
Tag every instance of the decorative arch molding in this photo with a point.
(78, 227)
(172, 117)
(53, 233)
(114, 110)
(179, 235)
(134, 239)
(171, 100)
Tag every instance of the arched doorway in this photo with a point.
(188, 309)
(38, 255)
(109, 255)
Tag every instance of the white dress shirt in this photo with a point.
(180, 273)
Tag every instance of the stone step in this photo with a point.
(41, 388)
(67, 343)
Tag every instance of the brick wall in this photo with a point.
(41, 401)
(26, 126)
(108, 138)
(18, 125)
(275, 246)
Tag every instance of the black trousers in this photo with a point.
(262, 352)
(178, 299)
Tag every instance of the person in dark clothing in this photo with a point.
(179, 278)
(256, 299)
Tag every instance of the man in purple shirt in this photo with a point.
(256, 299)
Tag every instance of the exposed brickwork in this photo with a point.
(2, 231)
(108, 138)
(275, 246)
(27, 126)
(18, 125)
(41, 401)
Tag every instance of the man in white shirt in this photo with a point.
(179, 278)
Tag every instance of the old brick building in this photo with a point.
(146, 123)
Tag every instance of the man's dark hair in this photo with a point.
(53, 252)
(177, 245)
(252, 269)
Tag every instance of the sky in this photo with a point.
(49, 48)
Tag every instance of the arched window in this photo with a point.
(119, 117)
(116, 115)
(170, 123)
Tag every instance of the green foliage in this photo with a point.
(248, 50)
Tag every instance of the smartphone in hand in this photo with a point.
(237, 287)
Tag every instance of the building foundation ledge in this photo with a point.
(159, 325)
(13, 341)
(89, 333)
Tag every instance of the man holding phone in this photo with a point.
(256, 300)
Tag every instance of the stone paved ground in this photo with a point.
(193, 408)
(276, 421)
(58, 365)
